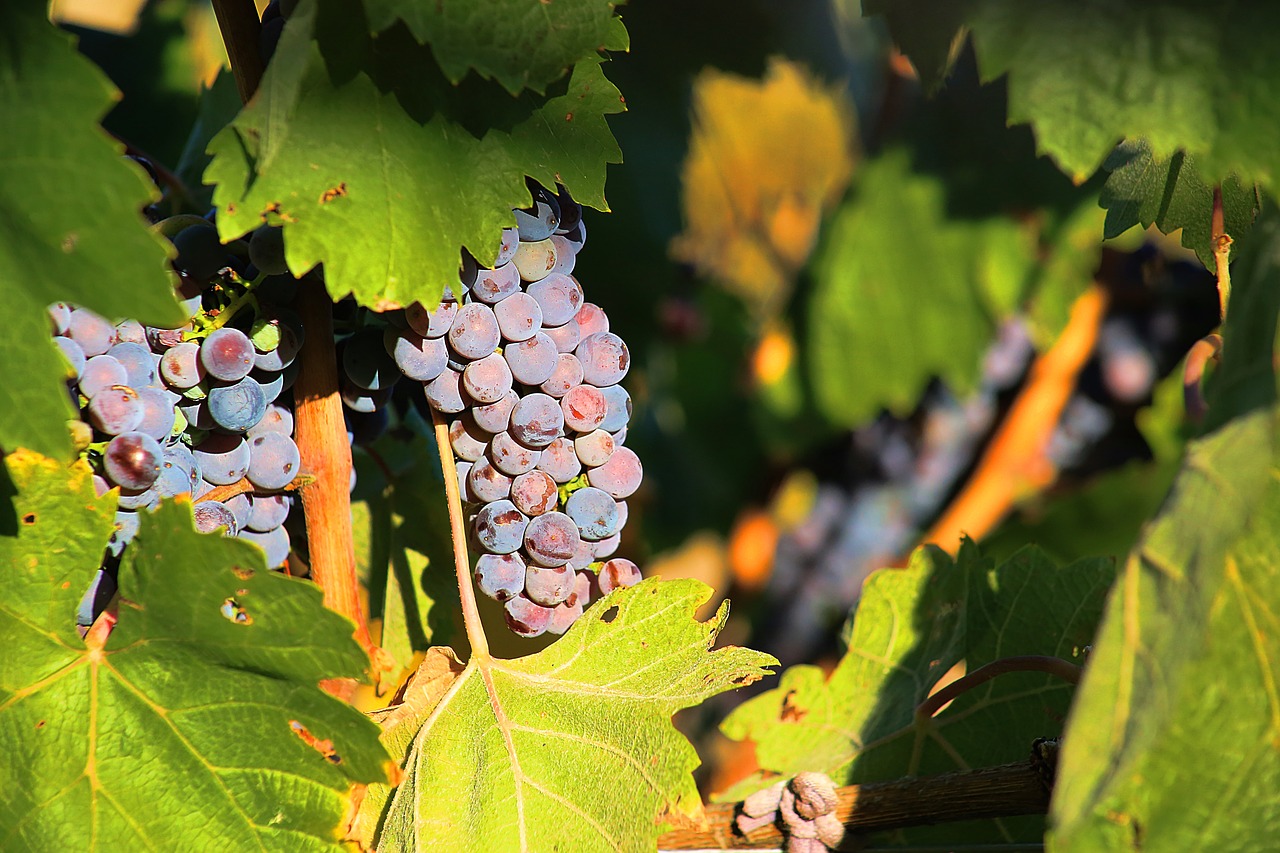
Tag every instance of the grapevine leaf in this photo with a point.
(219, 104)
(200, 724)
(71, 207)
(911, 626)
(1181, 684)
(387, 197)
(752, 200)
(1169, 193)
(519, 43)
(574, 739)
(928, 32)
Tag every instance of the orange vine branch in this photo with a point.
(1067, 671)
(1221, 253)
(1198, 358)
(1014, 462)
(458, 531)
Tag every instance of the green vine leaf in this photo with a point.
(519, 43)
(574, 742)
(1181, 685)
(910, 628)
(1169, 193)
(200, 724)
(72, 208)
(387, 197)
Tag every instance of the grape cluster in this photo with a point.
(526, 373)
(167, 412)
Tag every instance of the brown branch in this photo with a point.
(458, 531)
(1065, 670)
(244, 487)
(1198, 358)
(1005, 791)
(1221, 253)
(241, 34)
(1014, 463)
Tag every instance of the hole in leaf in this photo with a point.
(791, 710)
(609, 615)
(324, 747)
(29, 518)
(233, 612)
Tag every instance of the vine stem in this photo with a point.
(1198, 358)
(1221, 253)
(241, 31)
(458, 531)
(1065, 670)
(1014, 462)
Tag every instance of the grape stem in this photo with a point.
(1067, 671)
(1221, 253)
(458, 530)
(243, 487)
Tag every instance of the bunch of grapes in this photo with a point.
(526, 373)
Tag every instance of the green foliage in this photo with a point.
(1181, 684)
(209, 681)
(911, 626)
(513, 42)
(1169, 193)
(70, 204)
(387, 197)
(600, 698)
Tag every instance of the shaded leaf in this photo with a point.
(752, 198)
(574, 742)
(200, 724)
(910, 628)
(71, 206)
(519, 43)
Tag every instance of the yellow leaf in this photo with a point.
(767, 159)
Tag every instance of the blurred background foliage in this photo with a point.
(836, 288)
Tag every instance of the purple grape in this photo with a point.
(560, 461)
(241, 506)
(275, 419)
(421, 359)
(495, 285)
(180, 365)
(604, 358)
(273, 461)
(567, 374)
(175, 479)
(534, 493)
(238, 406)
(116, 410)
(366, 362)
(227, 354)
(563, 616)
(212, 515)
(196, 414)
(584, 555)
(500, 576)
(519, 317)
(566, 337)
(267, 512)
(158, 413)
(131, 332)
(507, 249)
(126, 529)
(594, 511)
(474, 333)
(536, 421)
(135, 499)
(525, 618)
(362, 400)
(444, 393)
(431, 324)
(560, 297)
(100, 373)
(540, 220)
(549, 586)
(620, 476)
(584, 408)
(288, 342)
(271, 382)
(73, 354)
(616, 574)
(469, 442)
(551, 539)
(591, 319)
(60, 316)
(94, 334)
(275, 543)
(510, 457)
(594, 448)
(132, 460)
(619, 411)
(223, 459)
(570, 211)
(500, 527)
(533, 361)
(488, 379)
(486, 483)
(495, 417)
(137, 361)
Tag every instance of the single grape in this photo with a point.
(116, 410)
(135, 499)
(267, 512)
(60, 312)
(137, 361)
(567, 374)
(275, 419)
(180, 365)
(196, 414)
(560, 297)
(549, 586)
(563, 616)
(532, 361)
(500, 527)
(474, 333)
(519, 317)
(594, 448)
(73, 354)
(366, 362)
(566, 255)
(536, 420)
(570, 211)
(616, 574)
(534, 493)
(584, 408)
(266, 247)
(486, 483)
(495, 285)
(584, 555)
(620, 476)
(362, 400)
(488, 379)
(464, 490)
(101, 373)
(619, 411)
(126, 528)
(241, 506)
(158, 414)
(500, 576)
(94, 334)
(591, 319)
(469, 442)
(175, 479)
(510, 457)
(271, 382)
(421, 359)
(595, 513)
(227, 354)
(525, 618)
(224, 459)
(238, 406)
(535, 260)
(444, 393)
(131, 332)
(132, 460)
(540, 220)
(566, 337)
(274, 543)
(507, 250)
(289, 337)
(273, 461)
(495, 417)
(200, 253)
(431, 324)
(604, 358)
(551, 539)
(560, 461)
(212, 515)
(577, 236)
